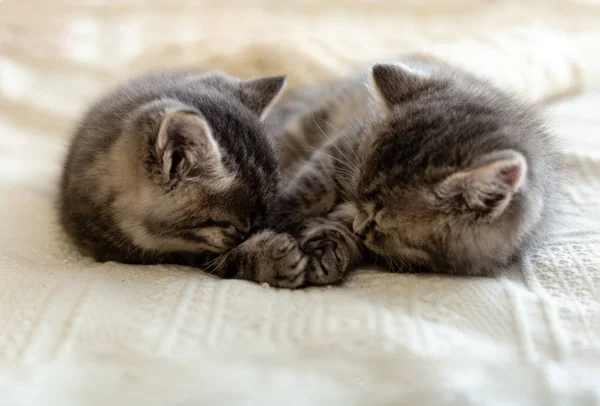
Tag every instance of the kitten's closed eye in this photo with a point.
(237, 233)
(211, 223)
(213, 237)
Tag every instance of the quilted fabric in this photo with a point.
(77, 332)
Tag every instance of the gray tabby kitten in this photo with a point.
(416, 163)
(176, 167)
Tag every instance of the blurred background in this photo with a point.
(56, 56)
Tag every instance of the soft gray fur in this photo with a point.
(176, 167)
(416, 163)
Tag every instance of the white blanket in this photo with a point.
(77, 332)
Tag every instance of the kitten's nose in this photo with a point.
(362, 236)
(237, 237)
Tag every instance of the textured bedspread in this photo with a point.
(77, 332)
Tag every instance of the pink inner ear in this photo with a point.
(511, 174)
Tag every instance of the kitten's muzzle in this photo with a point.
(236, 237)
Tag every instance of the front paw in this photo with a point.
(282, 263)
(329, 257)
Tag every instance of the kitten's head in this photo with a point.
(443, 176)
(197, 172)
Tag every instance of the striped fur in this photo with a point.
(176, 167)
(417, 164)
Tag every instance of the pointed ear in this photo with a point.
(185, 146)
(396, 82)
(260, 94)
(487, 189)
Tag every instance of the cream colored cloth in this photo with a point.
(76, 332)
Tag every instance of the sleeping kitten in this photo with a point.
(176, 167)
(419, 164)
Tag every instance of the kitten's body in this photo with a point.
(176, 167)
(426, 164)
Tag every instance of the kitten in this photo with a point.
(176, 167)
(419, 164)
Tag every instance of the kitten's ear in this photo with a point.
(487, 189)
(186, 147)
(260, 94)
(396, 82)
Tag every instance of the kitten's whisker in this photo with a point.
(348, 175)
(397, 267)
(343, 136)
(208, 265)
(216, 263)
(333, 143)
(353, 168)
(389, 263)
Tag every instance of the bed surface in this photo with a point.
(77, 332)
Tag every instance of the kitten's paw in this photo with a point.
(329, 257)
(283, 264)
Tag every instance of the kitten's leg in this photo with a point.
(312, 207)
(267, 257)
